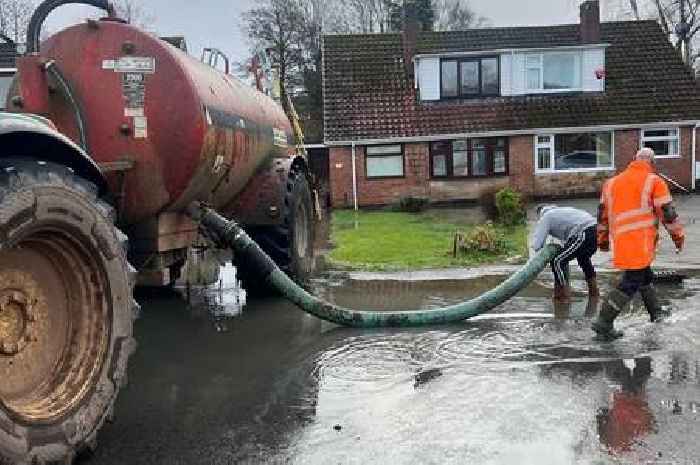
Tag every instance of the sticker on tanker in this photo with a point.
(279, 137)
(135, 65)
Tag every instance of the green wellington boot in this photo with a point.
(613, 304)
(651, 302)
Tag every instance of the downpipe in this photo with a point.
(232, 235)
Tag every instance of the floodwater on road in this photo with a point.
(525, 384)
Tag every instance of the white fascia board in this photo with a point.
(511, 50)
(515, 132)
(8, 70)
(312, 146)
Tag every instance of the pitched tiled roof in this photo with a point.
(368, 95)
(8, 55)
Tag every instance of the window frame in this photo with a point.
(384, 155)
(478, 59)
(541, 89)
(552, 153)
(491, 145)
(677, 138)
(7, 73)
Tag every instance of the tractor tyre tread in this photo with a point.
(61, 441)
(278, 241)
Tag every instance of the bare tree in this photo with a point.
(134, 12)
(679, 19)
(635, 9)
(276, 27)
(14, 18)
(456, 15)
(358, 16)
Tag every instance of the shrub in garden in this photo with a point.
(483, 238)
(413, 204)
(510, 207)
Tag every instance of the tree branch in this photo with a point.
(662, 18)
(635, 9)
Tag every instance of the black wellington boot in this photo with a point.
(651, 302)
(613, 304)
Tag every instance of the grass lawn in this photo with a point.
(406, 241)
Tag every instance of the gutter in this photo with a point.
(515, 132)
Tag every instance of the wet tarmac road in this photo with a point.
(523, 385)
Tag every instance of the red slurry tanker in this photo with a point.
(110, 134)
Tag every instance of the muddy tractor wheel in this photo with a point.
(66, 313)
(291, 243)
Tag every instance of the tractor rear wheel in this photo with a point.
(66, 313)
(290, 244)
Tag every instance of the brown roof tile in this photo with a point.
(8, 55)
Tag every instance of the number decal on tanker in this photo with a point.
(134, 88)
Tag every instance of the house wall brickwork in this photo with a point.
(680, 170)
(627, 144)
(416, 180)
(522, 177)
(521, 162)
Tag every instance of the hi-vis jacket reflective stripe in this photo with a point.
(631, 209)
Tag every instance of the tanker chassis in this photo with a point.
(111, 134)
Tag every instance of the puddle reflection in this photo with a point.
(525, 384)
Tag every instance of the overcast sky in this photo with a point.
(216, 23)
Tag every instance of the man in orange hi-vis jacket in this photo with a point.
(631, 206)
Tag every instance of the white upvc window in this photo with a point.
(570, 152)
(384, 161)
(544, 153)
(664, 141)
(553, 72)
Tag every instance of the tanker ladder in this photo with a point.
(230, 234)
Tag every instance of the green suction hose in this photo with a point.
(231, 234)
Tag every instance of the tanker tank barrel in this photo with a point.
(230, 234)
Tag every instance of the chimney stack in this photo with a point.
(409, 36)
(590, 22)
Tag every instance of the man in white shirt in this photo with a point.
(576, 230)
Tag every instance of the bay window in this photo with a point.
(553, 71)
(664, 142)
(572, 152)
(465, 158)
(384, 161)
(469, 77)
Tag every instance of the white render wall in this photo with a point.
(429, 78)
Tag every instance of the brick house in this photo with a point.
(551, 111)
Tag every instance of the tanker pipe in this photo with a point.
(232, 235)
(68, 92)
(45, 9)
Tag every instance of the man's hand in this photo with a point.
(679, 241)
